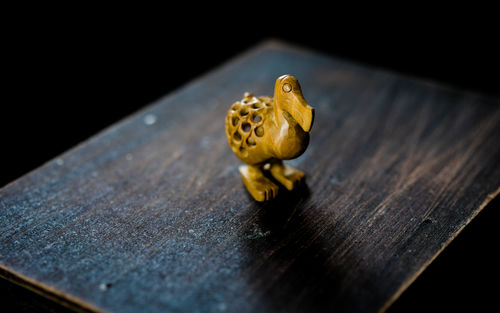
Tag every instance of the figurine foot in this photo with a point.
(260, 187)
(287, 175)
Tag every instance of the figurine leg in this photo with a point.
(259, 186)
(286, 175)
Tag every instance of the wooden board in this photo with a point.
(151, 215)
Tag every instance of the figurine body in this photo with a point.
(263, 131)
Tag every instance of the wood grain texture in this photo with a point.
(151, 215)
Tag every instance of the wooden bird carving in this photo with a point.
(264, 131)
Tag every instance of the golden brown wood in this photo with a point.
(264, 131)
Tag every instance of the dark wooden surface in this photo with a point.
(150, 215)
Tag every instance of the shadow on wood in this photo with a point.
(295, 267)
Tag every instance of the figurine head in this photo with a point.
(288, 97)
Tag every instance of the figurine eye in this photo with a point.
(287, 87)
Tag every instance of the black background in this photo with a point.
(70, 72)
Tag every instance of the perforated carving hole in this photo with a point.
(251, 141)
(244, 111)
(257, 118)
(257, 105)
(235, 120)
(259, 131)
(237, 136)
(246, 127)
(236, 106)
(243, 152)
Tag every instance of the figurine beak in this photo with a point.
(303, 113)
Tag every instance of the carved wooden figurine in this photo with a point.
(263, 131)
